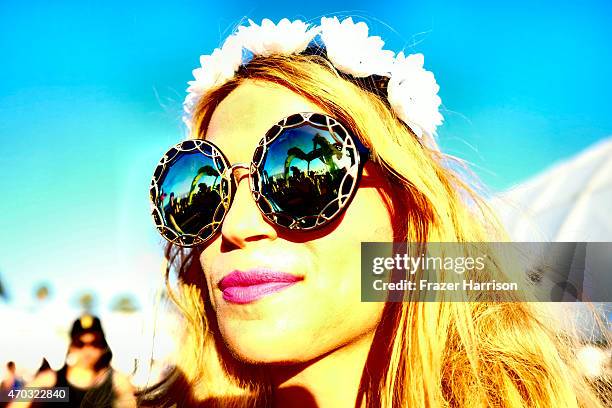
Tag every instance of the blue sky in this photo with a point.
(91, 92)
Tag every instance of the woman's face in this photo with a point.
(87, 350)
(322, 311)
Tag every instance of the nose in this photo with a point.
(244, 222)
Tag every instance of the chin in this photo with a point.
(267, 348)
(256, 354)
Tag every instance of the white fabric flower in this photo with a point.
(412, 92)
(286, 38)
(352, 51)
(214, 70)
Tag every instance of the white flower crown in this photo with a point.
(412, 91)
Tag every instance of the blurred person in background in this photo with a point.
(87, 373)
(10, 380)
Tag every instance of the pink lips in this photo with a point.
(246, 287)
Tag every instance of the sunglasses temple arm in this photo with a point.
(364, 152)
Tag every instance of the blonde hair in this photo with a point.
(460, 354)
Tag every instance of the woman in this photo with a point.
(87, 375)
(268, 263)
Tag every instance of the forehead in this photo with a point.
(244, 116)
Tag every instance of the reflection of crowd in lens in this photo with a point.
(303, 192)
(306, 192)
(183, 211)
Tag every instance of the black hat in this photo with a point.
(86, 324)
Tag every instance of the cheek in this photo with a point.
(207, 257)
(337, 281)
(325, 311)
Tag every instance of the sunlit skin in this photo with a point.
(316, 332)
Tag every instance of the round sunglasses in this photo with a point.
(96, 343)
(304, 173)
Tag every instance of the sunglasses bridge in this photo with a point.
(228, 172)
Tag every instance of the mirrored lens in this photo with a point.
(305, 174)
(190, 196)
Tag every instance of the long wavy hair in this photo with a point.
(424, 354)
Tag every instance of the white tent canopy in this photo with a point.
(571, 201)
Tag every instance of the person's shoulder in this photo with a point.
(124, 391)
(121, 380)
(45, 378)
